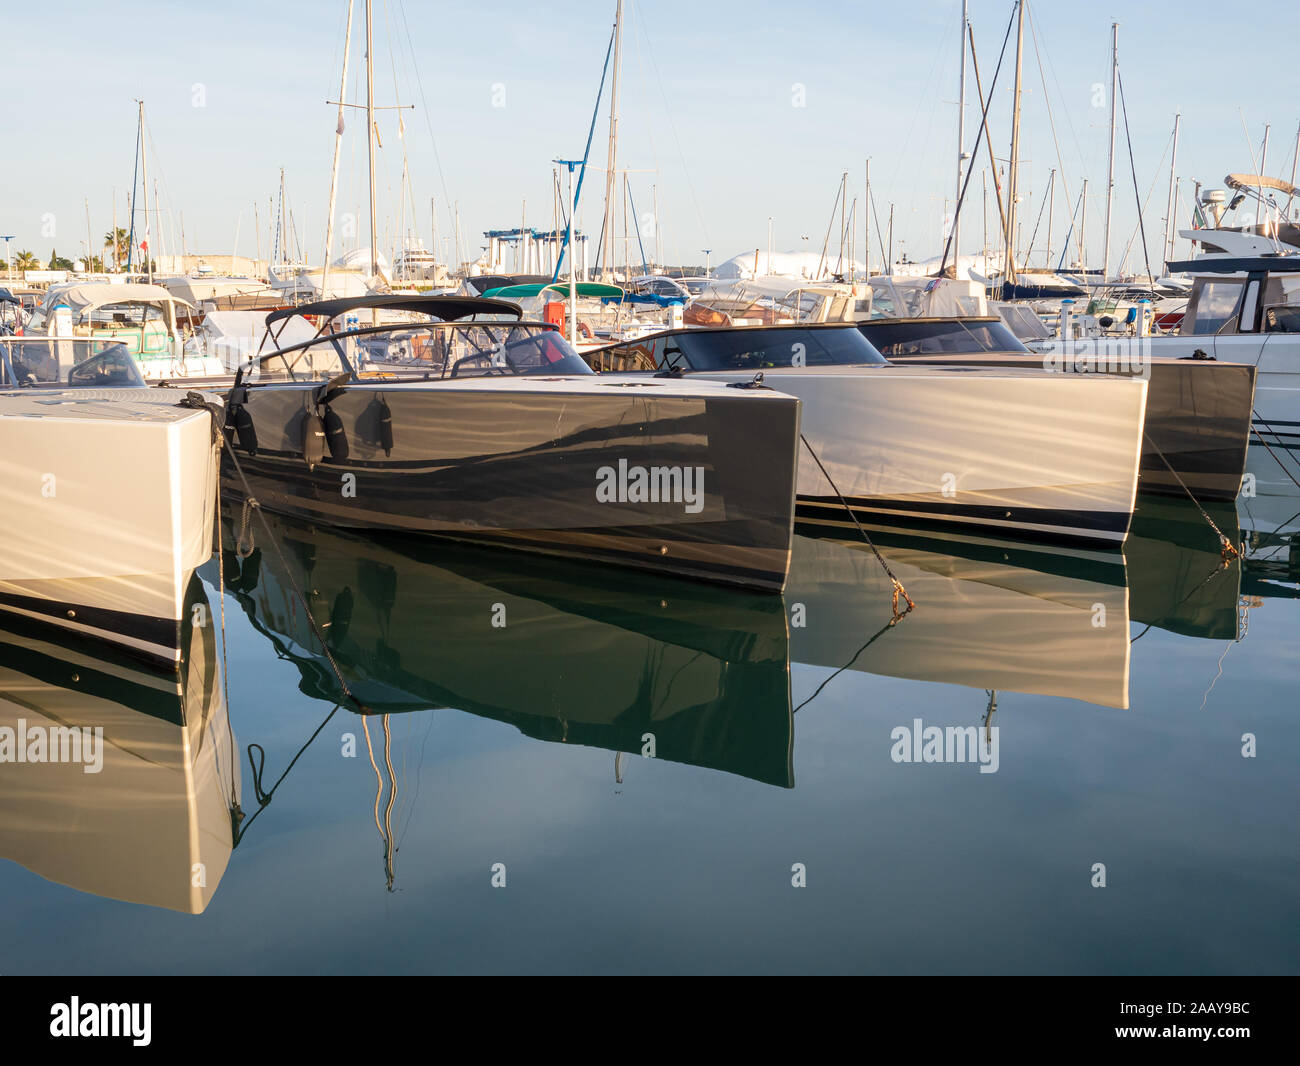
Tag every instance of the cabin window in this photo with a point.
(1215, 307)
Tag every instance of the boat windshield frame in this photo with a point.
(398, 372)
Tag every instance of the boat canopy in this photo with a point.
(1260, 181)
(446, 308)
(87, 297)
(1237, 264)
(583, 288)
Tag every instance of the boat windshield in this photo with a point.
(768, 348)
(949, 337)
(428, 350)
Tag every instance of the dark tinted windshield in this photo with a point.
(895, 339)
(765, 349)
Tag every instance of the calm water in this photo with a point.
(511, 700)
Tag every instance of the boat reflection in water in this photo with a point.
(578, 654)
(1002, 615)
(153, 823)
(563, 652)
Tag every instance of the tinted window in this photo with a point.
(1215, 306)
(764, 349)
(901, 339)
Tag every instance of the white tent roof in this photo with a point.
(799, 266)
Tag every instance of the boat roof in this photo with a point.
(582, 288)
(100, 294)
(1238, 264)
(447, 308)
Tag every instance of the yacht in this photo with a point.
(493, 429)
(1040, 455)
(1198, 411)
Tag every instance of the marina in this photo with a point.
(905, 599)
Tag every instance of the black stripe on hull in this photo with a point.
(1105, 529)
(103, 624)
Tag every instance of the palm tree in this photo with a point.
(27, 261)
(115, 240)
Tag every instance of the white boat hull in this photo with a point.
(107, 503)
(1042, 456)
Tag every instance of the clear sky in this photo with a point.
(709, 122)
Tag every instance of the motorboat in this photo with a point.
(107, 504)
(1198, 411)
(79, 320)
(1032, 454)
(468, 422)
(1246, 310)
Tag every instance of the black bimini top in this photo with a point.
(1273, 264)
(446, 308)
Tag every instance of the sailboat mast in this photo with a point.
(1170, 233)
(1009, 248)
(338, 146)
(1083, 226)
(1110, 165)
(370, 136)
(612, 159)
(144, 184)
(866, 215)
(1051, 205)
(961, 146)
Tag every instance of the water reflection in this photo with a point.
(564, 653)
(153, 823)
(570, 654)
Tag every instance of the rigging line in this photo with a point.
(870, 641)
(411, 803)
(1277, 437)
(1145, 203)
(839, 191)
(980, 134)
(1051, 122)
(672, 126)
(1229, 550)
(1051, 118)
(880, 236)
(135, 173)
(898, 585)
(433, 141)
(1029, 252)
(264, 798)
(1206, 698)
(582, 173)
(1137, 195)
(1223, 565)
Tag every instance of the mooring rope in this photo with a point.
(1228, 549)
(251, 504)
(1277, 436)
(898, 585)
